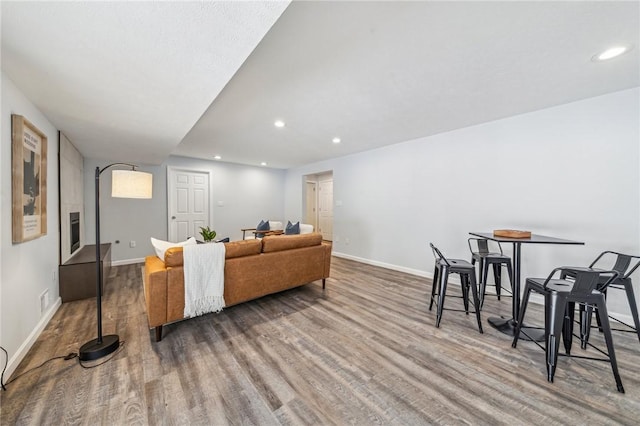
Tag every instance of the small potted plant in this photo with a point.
(207, 234)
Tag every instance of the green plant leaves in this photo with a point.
(207, 233)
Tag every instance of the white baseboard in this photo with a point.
(15, 360)
(406, 270)
(127, 261)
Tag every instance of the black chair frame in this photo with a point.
(561, 295)
(486, 258)
(466, 271)
(622, 282)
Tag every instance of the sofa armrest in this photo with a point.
(327, 245)
(155, 290)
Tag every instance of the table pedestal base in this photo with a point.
(508, 326)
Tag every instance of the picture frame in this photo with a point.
(28, 180)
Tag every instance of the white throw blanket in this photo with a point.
(203, 279)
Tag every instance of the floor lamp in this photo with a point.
(124, 184)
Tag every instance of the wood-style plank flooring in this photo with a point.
(364, 351)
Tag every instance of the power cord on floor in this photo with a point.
(6, 362)
(69, 356)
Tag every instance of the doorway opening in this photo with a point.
(318, 203)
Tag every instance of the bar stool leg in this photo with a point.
(476, 300)
(485, 276)
(523, 309)
(555, 307)
(497, 278)
(601, 310)
(567, 331)
(434, 286)
(480, 284)
(628, 288)
(586, 313)
(510, 273)
(444, 276)
(464, 283)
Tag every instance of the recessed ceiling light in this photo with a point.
(263, 164)
(279, 123)
(336, 140)
(611, 53)
(217, 157)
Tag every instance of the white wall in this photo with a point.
(570, 172)
(122, 219)
(28, 268)
(241, 196)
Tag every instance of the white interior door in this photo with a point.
(311, 216)
(325, 209)
(188, 207)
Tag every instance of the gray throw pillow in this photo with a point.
(292, 229)
(262, 226)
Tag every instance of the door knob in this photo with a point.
(173, 217)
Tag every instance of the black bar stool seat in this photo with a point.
(467, 273)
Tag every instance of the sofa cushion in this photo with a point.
(161, 246)
(287, 242)
(292, 229)
(242, 248)
(173, 256)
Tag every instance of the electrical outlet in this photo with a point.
(346, 241)
(132, 244)
(44, 301)
(336, 239)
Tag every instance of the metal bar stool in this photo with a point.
(560, 297)
(623, 267)
(467, 273)
(485, 257)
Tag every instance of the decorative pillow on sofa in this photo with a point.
(292, 229)
(262, 226)
(162, 246)
(275, 225)
(305, 228)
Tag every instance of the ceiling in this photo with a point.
(141, 81)
(126, 81)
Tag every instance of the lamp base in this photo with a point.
(94, 349)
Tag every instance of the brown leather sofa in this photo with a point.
(253, 268)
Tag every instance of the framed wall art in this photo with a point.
(28, 180)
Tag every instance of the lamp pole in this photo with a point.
(102, 345)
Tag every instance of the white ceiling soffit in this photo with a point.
(378, 73)
(127, 80)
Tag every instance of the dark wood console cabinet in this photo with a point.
(78, 274)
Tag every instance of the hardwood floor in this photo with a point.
(364, 351)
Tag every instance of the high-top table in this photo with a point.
(508, 325)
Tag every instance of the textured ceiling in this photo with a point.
(127, 80)
(130, 80)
